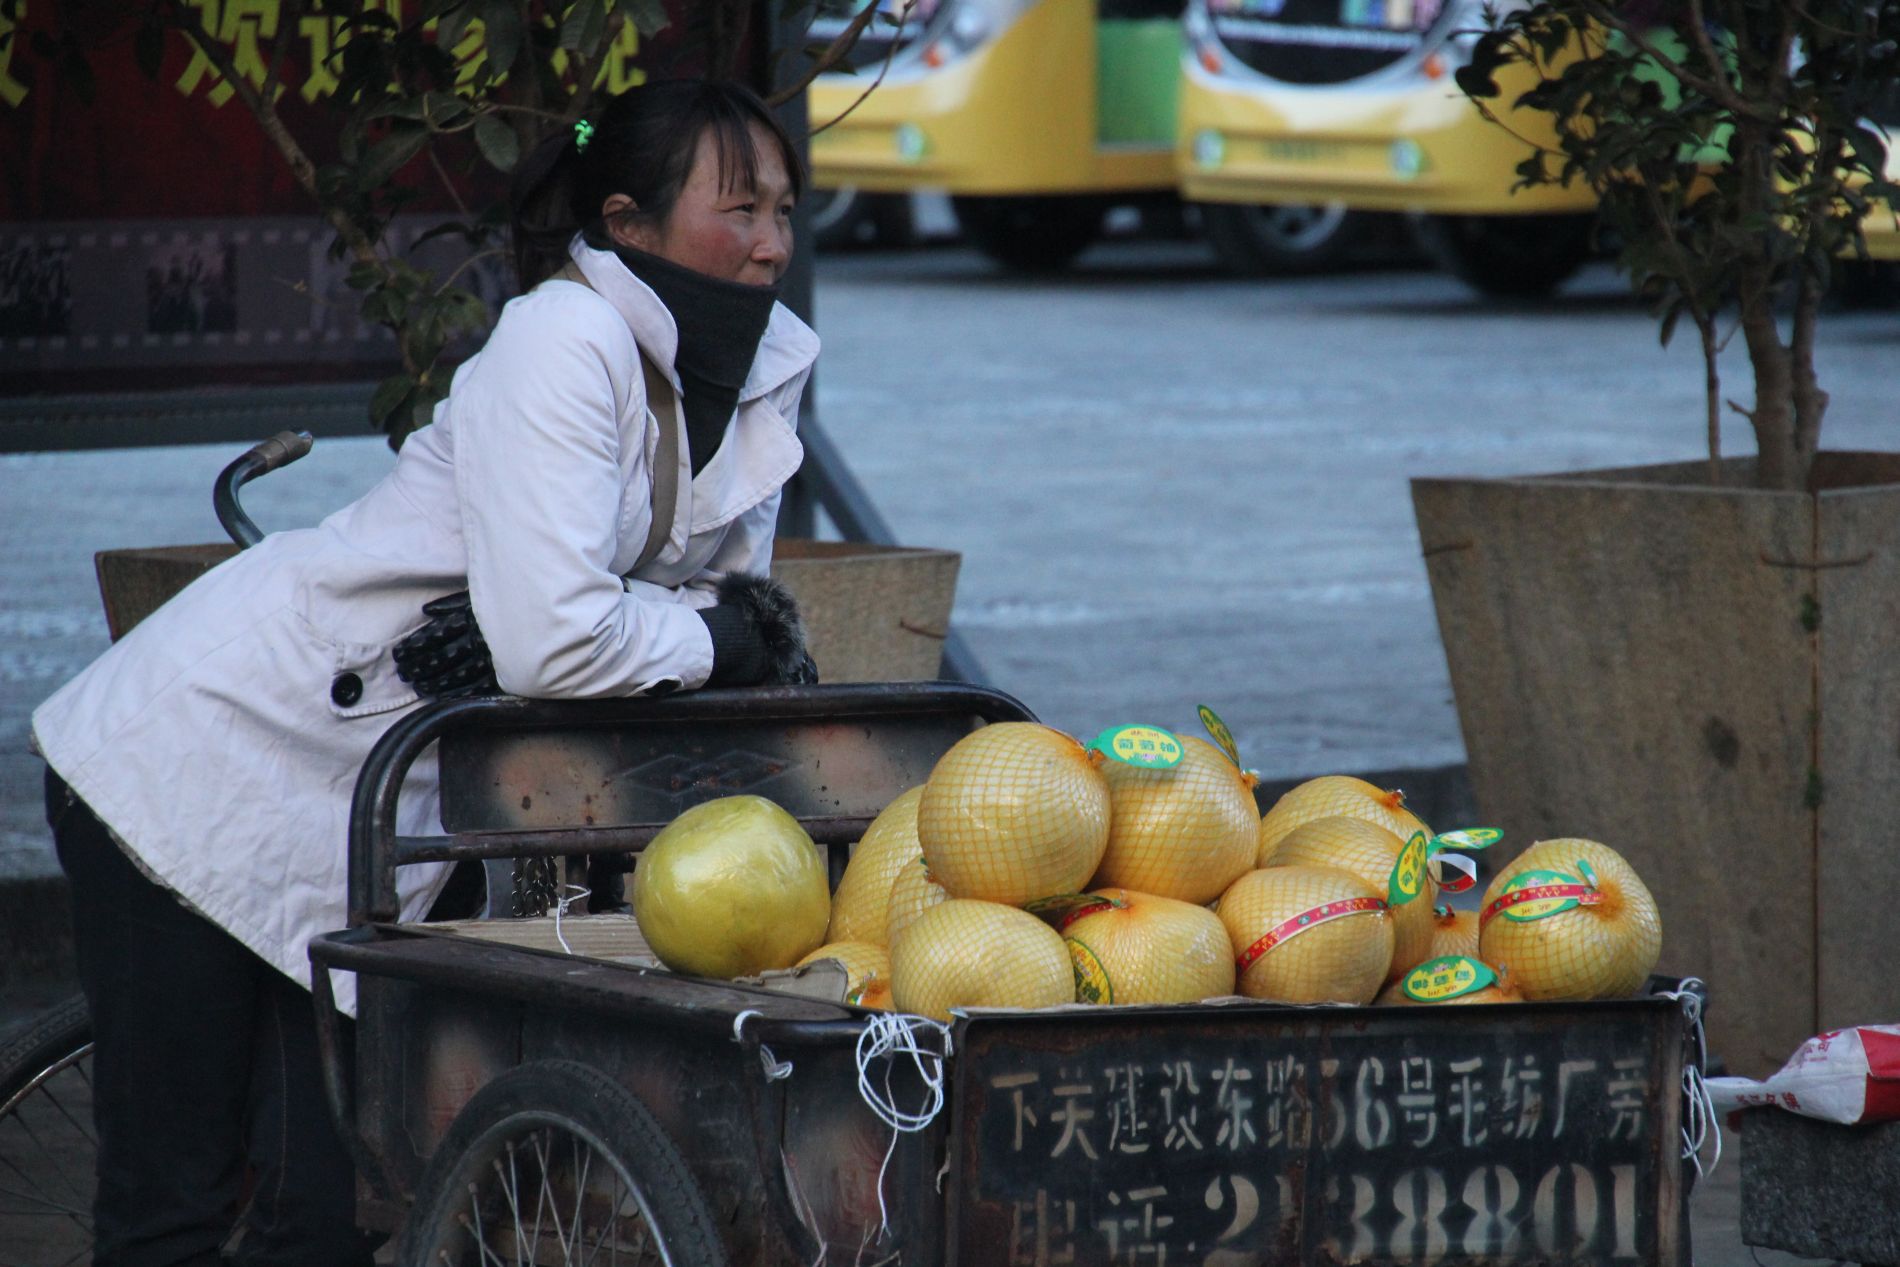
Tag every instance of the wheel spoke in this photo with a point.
(583, 1162)
(52, 1205)
(84, 1134)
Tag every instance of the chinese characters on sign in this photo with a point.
(1183, 1145)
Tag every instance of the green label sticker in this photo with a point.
(1091, 978)
(1540, 895)
(1447, 977)
(1588, 873)
(1149, 747)
(1468, 838)
(1408, 873)
(1218, 729)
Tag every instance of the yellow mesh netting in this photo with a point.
(861, 906)
(964, 953)
(1342, 960)
(1012, 813)
(1186, 833)
(1598, 951)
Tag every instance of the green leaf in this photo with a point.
(388, 400)
(583, 26)
(391, 154)
(497, 142)
(502, 22)
(648, 16)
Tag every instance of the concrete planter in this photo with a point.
(1708, 680)
(872, 613)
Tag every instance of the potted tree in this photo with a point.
(1696, 662)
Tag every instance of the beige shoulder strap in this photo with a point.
(665, 403)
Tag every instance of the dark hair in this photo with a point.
(642, 145)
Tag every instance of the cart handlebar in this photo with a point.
(260, 459)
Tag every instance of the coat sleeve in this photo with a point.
(538, 476)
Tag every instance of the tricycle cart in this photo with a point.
(510, 1102)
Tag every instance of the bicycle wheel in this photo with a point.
(554, 1162)
(47, 1145)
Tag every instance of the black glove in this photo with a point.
(448, 657)
(758, 639)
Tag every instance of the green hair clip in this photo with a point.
(583, 133)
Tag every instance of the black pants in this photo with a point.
(207, 1084)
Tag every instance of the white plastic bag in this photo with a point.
(1846, 1075)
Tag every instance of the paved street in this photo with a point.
(1169, 486)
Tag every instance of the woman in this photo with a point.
(200, 771)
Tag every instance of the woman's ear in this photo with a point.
(621, 227)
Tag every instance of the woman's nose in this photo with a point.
(773, 246)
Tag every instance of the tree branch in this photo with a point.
(1719, 91)
(890, 55)
(835, 53)
(265, 112)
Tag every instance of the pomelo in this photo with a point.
(1454, 933)
(1186, 832)
(730, 888)
(1370, 852)
(1142, 948)
(1330, 796)
(867, 969)
(1012, 813)
(862, 904)
(912, 893)
(1601, 945)
(1339, 954)
(964, 953)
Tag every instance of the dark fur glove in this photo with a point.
(758, 638)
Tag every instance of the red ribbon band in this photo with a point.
(1305, 920)
(1585, 895)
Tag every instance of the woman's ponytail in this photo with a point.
(541, 208)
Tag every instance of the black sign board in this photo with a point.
(1235, 1136)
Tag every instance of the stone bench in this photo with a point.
(1821, 1190)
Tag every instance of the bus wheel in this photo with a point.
(1507, 256)
(1264, 239)
(1030, 235)
(842, 219)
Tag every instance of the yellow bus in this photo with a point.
(1348, 106)
(1034, 115)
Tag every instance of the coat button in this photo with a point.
(346, 689)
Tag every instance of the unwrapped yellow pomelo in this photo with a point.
(1307, 935)
(1140, 948)
(862, 904)
(731, 888)
(1330, 796)
(867, 969)
(1601, 947)
(1014, 812)
(964, 953)
(1370, 852)
(912, 893)
(1454, 933)
(1186, 832)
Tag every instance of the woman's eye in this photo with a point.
(746, 207)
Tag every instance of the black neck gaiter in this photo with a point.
(720, 325)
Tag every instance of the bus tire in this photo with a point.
(848, 218)
(1277, 239)
(1030, 235)
(1512, 257)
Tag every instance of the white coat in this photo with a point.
(221, 738)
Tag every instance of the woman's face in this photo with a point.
(736, 235)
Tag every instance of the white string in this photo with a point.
(775, 1069)
(886, 1037)
(560, 909)
(1701, 1124)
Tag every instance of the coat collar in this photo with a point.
(787, 349)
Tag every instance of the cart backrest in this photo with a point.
(524, 777)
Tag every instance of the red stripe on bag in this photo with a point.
(1305, 920)
(1585, 895)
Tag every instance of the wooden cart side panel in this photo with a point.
(1270, 1137)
